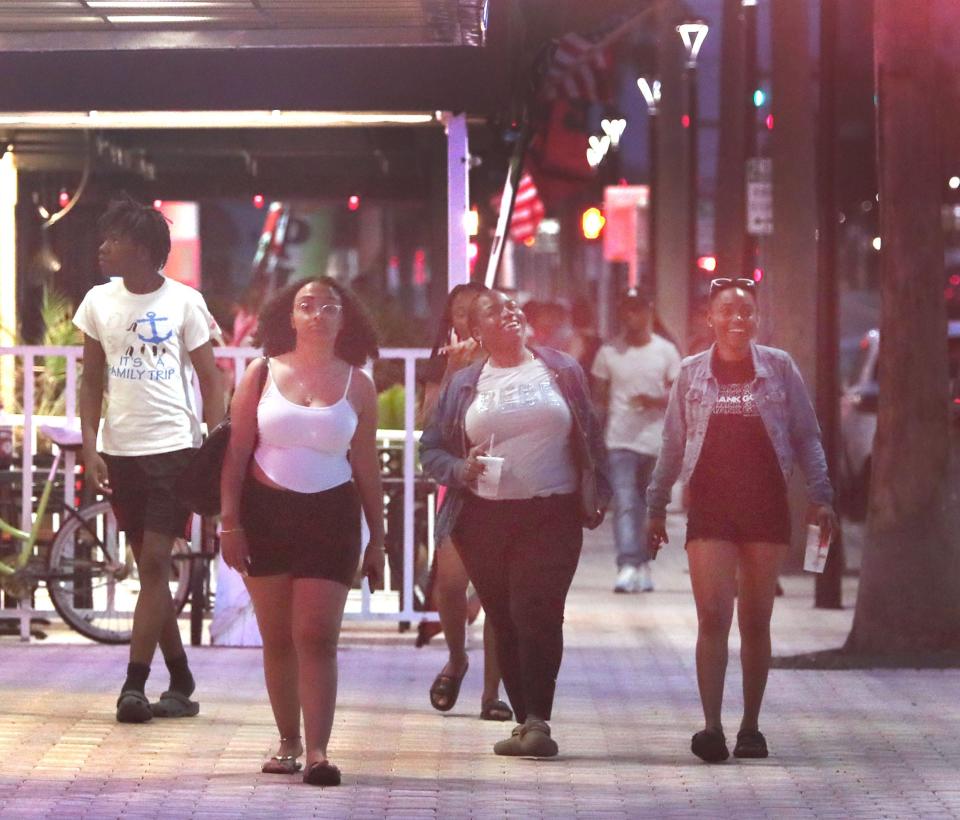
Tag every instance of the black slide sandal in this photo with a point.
(447, 687)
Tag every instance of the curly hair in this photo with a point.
(355, 343)
(142, 224)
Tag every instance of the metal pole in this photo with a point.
(828, 586)
(507, 201)
(692, 192)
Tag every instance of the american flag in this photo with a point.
(527, 210)
(579, 70)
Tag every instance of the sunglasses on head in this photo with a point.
(716, 285)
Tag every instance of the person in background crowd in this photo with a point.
(301, 464)
(453, 350)
(516, 519)
(550, 325)
(245, 318)
(632, 378)
(586, 342)
(144, 336)
(738, 420)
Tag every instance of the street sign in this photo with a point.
(625, 234)
(759, 196)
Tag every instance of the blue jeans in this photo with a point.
(629, 474)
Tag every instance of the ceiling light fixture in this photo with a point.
(211, 119)
(130, 19)
(167, 4)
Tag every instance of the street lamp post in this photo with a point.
(650, 88)
(692, 34)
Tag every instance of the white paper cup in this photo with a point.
(488, 483)
(815, 558)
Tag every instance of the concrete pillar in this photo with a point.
(458, 200)
(730, 195)
(8, 275)
(790, 285)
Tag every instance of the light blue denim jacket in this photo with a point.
(784, 407)
(443, 445)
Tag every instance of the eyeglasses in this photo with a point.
(326, 311)
(716, 285)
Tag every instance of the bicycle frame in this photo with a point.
(29, 539)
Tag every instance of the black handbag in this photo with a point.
(198, 486)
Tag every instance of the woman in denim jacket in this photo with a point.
(515, 441)
(738, 419)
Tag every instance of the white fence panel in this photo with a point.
(362, 605)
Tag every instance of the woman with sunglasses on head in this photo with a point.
(301, 464)
(454, 349)
(738, 420)
(515, 441)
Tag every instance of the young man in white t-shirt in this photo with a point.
(632, 379)
(147, 335)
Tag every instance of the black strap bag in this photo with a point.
(198, 486)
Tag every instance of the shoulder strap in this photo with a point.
(349, 379)
(265, 372)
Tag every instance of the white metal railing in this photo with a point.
(361, 604)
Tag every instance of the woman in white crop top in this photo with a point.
(301, 464)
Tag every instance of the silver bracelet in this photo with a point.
(235, 529)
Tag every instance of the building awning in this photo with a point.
(336, 55)
(111, 24)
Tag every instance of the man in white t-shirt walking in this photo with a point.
(146, 334)
(632, 384)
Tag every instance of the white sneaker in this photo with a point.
(645, 579)
(627, 579)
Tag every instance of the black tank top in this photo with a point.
(737, 460)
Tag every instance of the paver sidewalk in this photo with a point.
(843, 744)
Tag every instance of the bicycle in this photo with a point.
(88, 567)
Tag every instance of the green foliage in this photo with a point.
(59, 331)
(50, 372)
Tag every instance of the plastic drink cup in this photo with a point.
(815, 558)
(488, 483)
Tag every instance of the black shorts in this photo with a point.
(306, 535)
(762, 517)
(143, 497)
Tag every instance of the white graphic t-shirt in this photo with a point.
(530, 423)
(648, 370)
(147, 338)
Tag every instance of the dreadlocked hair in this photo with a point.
(446, 321)
(355, 343)
(142, 224)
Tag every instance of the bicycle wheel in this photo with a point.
(92, 576)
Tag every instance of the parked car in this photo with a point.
(858, 416)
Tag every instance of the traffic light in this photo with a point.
(591, 223)
(759, 98)
(708, 264)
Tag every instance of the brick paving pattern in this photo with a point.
(844, 744)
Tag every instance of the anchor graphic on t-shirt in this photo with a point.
(152, 318)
